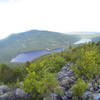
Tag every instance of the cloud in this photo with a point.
(54, 15)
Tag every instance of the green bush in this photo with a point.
(6, 74)
(40, 79)
(79, 87)
(86, 64)
(9, 74)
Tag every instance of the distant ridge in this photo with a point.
(83, 33)
(15, 44)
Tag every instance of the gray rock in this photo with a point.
(97, 77)
(69, 93)
(68, 69)
(21, 83)
(68, 64)
(91, 89)
(90, 85)
(1, 92)
(4, 97)
(64, 97)
(44, 98)
(96, 96)
(98, 90)
(96, 85)
(20, 93)
(99, 86)
(62, 73)
(86, 95)
(73, 78)
(64, 68)
(3, 87)
(12, 93)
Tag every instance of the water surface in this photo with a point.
(29, 56)
(83, 41)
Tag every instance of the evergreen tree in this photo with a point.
(86, 64)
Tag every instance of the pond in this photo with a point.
(29, 56)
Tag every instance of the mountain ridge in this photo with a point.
(33, 40)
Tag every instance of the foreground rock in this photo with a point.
(12, 93)
(67, 79)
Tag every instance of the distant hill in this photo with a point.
(33, 40)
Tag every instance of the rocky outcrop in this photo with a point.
(93, 92)
(67, 79)
(12, 93)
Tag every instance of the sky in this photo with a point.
(54, 15)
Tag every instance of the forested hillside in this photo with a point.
(33, 40)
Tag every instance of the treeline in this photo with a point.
(9, 73)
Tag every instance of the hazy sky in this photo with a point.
(54, 15)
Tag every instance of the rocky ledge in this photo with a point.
(67, 79)
(12, 93)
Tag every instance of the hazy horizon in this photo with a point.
(68, 33)
(63, 16)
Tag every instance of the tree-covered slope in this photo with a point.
(33, 40)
